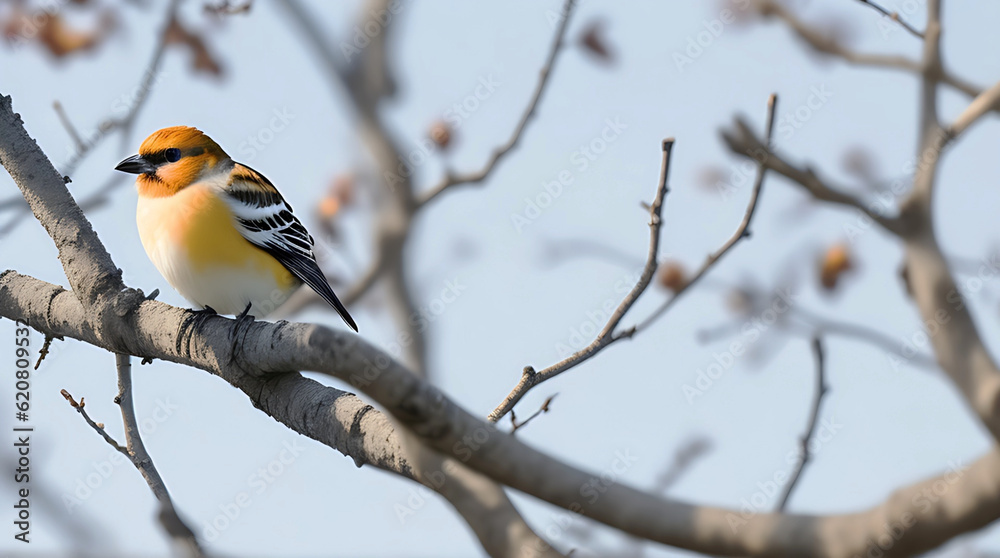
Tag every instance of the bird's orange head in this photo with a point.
(172, 159)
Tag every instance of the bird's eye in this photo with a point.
(173, 155)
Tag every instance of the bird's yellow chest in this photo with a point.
(197, 220)
(192, 240)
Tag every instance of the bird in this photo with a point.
(218, 231)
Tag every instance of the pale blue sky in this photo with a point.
(517, 307)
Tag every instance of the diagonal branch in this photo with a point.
(743, 142)
(130, 324)
(171, 522)
(151, 329)
(742, 231)
(893, 15)
(136, 450)
(530, 378)
(607, 335)
(100, 302)
(823, 43)
(123, 124)
(804, 455)
(452, 180)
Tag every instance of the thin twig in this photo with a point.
(451, 180)
(872, 336)
(824, 43)
(530, 378)
(559, 251)
(125, 123)
(893, 16)
(98, 427)
(172, 522)
(742, 231)
(515, 425)
(45, 349)
(805, 457)
(70, 129)
(816, 324)
(743, 142)
(684, 458)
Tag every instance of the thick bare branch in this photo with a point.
(332, 417)
(958, 345)
(152, 329)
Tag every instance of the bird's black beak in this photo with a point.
(136, 165)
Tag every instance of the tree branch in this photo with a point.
(742, 231)
(893, 16)
(804, 455)
(126, 323)
(607, 335)
(826, 44)
(175, 527)
(152, 329)
(452, 180)
(741, 141)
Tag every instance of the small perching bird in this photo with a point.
(218, 231)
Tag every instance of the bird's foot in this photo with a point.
(193, 320)
(240, 328)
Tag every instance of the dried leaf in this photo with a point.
(595, 43)
(203, 60)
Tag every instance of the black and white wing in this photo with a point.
(266, 220)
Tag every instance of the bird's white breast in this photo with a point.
(191, 239)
